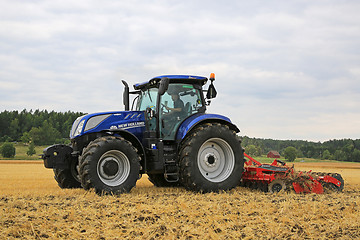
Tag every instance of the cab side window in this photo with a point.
(179, 102)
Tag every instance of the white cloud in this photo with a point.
(284, 69)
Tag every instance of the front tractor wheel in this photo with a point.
(211, 159)
(109, 165)
(68, 178)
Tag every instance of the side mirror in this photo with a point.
(164, 84)
(126, 100)
(211, 92)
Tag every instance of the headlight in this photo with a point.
(91, 123)
(95, 121)
(74, 126)
(79, 128)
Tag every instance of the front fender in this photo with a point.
(130, 137)
(200, 118)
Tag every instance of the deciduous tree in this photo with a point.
(290, 154)
(8, 150)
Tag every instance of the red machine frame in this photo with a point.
(277, 176)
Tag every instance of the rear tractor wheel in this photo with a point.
(211, 159)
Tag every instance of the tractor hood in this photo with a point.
(132, 121)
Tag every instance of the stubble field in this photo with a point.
(32, 206)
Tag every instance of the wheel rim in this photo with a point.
(276, 187)
(113, 168)
(216, 160)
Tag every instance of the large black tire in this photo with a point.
(211, 159)
(109, 165)
(68, 178)
(159, 181)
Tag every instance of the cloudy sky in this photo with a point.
(284, 69)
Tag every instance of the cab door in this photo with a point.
(147, 101)
(178, 96)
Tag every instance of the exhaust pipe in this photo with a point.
(126, 100)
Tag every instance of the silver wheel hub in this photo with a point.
(210, 160)
(216, 160)
(113, 168)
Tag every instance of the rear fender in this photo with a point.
(201, 118)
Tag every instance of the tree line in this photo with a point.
(46, 128)
(341, 150)
(38, 127)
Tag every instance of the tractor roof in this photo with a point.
(173, 79)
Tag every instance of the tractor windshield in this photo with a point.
(147, 99)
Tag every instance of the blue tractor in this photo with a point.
(167, 135)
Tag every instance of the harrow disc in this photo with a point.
(276, 186)
(334, 187)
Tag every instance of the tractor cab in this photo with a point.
(168, 100)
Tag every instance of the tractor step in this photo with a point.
(172, 177)
(171, 168)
